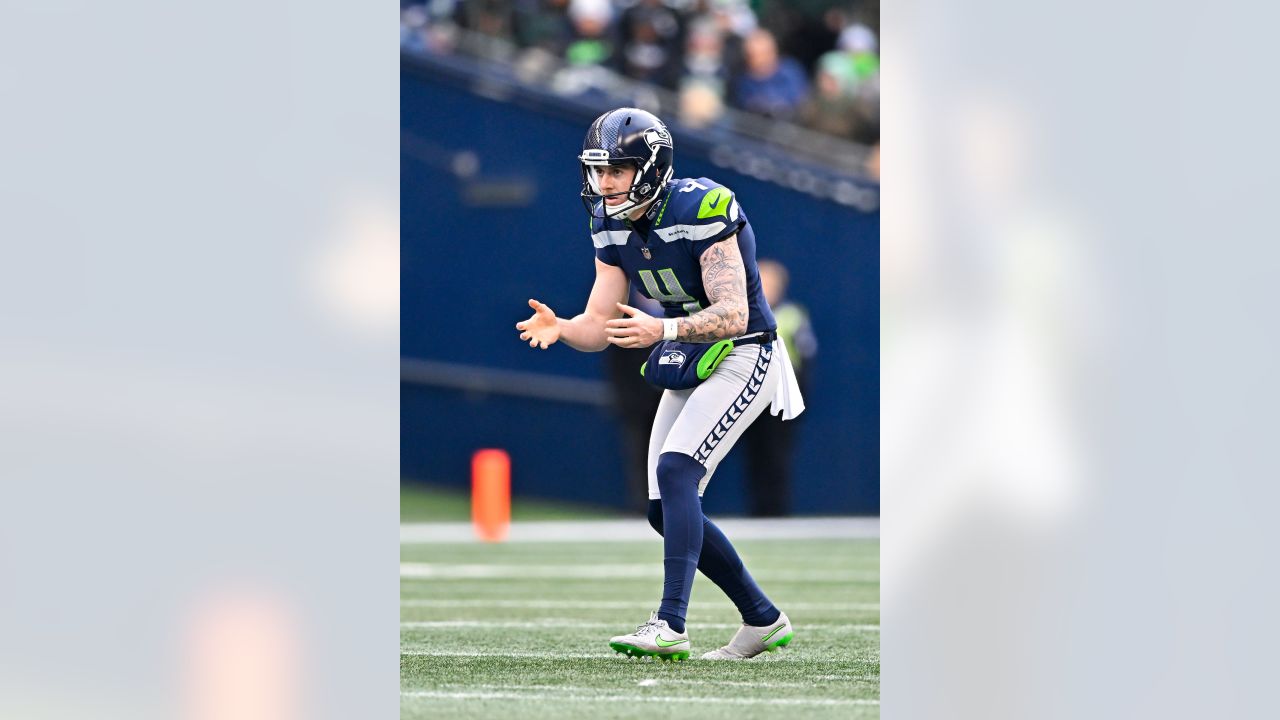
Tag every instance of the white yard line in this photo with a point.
(805, 528)
(753, 683)
(573, 623)
(451, 571)
(585, 694)
(647, 682)
(507, 654)
(567, 656)
(609, 605)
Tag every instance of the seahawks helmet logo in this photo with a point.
(656, 137)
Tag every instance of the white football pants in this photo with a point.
(704, 422)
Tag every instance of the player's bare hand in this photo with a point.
(637, 330)
(542, 329)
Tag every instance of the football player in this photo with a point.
(686, 243)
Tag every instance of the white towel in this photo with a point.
(786, 398)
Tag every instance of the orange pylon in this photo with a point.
(491, 494)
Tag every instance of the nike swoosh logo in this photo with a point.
(715, 203)
(668, 643)
(772, 633)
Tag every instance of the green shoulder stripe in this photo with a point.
(715, 203)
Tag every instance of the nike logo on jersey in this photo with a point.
(662, 642)
(715, 203)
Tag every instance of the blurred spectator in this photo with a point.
(859, 42)
(700, 104)
(769, 441)
(651, 43)
(712, 53)
(413, 28)
(704, 56)
(735, 21)
(770, 85)
(426, 28)
(592, 44)
(847, 98)
(543, 25)
(734, 17)
(860, 52)
(832, 108)
(493, 18)
(706, 74)
(805, 29)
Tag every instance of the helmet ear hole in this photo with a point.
(628, 122)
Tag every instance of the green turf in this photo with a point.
(530, 636)
(433, 503)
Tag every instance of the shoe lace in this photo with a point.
(649, 627)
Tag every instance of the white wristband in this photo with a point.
(669, 328)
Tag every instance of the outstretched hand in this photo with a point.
(542, 329)
(637, 330)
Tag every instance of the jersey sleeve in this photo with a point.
(605, 243)
(706, 214)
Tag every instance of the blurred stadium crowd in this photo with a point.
(814, 63)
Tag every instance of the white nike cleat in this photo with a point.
(654, 638)
(750, 641)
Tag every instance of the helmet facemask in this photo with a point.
(639, 193)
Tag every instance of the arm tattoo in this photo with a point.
(725, 281)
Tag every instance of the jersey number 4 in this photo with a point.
(675, 292)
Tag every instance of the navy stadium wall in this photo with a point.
(490, 216)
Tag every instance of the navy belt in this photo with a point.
(760, 338)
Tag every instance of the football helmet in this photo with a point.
(626, 136)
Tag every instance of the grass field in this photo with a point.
(521, 629)
(432, 503)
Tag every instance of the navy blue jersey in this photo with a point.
(661, 252)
